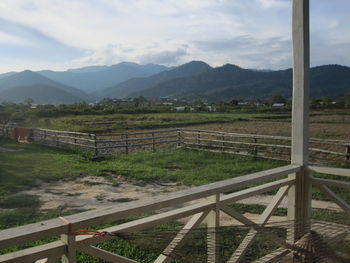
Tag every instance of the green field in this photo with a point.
(24, 166)
(121, 122)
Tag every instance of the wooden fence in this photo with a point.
(136, 141)
(262, 146)
(207, 202)
(254, 145)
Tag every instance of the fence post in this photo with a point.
(95, 145)
(255, 148)
(223, 142)
(126, 144)
(178, 138)
(71, 253)
(153, 142)
(213, 220)
(57, 140)
(347, 152)
(44, 136)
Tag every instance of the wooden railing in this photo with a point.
(209, 201)
(136, 141)
(254, 145)
(263, 146)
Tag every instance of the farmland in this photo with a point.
(39, 182)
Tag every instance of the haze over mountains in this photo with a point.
(92, 78)
(192, 80)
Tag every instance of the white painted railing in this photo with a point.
(209, 201)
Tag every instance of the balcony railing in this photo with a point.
(203, 202)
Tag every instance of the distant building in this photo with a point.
(211, 108)
(278, 105)
(180, 108)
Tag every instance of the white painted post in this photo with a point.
(213, 223)
(71, 254)
(299, 196)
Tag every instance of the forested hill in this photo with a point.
(17, 87)
(137, 85)
(230, 81)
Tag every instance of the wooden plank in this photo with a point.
(243, 143)
(330, 170)
(229, 134)
(299, 196)
(103, 254)
(144, 223)
(181, 237)
(138, 139)
(230, 152)
(104, 215)
(233, 213)
(19, 235)
(30, 255)
(301, 82)
(70, 255)
(339, 201)
(137, 133)
(234, 197)
(262, 220)
(330, 182)
(31, 232)
(326, 151)
(136, 145)
(213, 222)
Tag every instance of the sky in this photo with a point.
(63, 34)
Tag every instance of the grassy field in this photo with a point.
(121, 122)
(24, 166)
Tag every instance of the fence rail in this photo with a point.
(205, 203)
(254, 145)
(263, 146)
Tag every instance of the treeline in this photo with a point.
(16, 112)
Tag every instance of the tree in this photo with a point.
(277, 99)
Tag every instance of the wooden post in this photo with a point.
(347, 152)
(178, 138)
(153, 143)
(126, 144)
(57, 140)
(213, 223)
(299, 195)
(95, 145)
(223, 142)
(255, 148)
(71, 253)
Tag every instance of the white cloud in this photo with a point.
(168, 31)
(274, 3)
(11, 39)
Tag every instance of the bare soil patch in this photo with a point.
(282, 128)
(90, 192)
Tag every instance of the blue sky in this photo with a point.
(62, 34)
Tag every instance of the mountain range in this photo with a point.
(192, 80)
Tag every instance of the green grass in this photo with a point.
(120, 122)
(22, 169)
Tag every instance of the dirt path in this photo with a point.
(90, 192)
